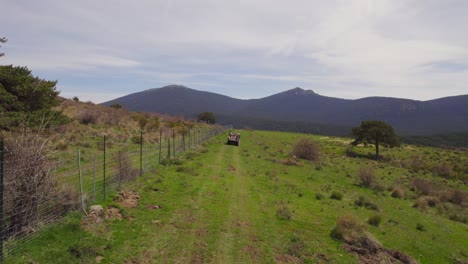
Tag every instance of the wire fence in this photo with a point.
(38, 188)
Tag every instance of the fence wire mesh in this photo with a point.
(40, 187)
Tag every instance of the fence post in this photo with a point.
(173, 144)
(94, 178)
(169, 147)
(189, 139)
(81, 183)
(183, 140)
(160, 145)
(104, 172)
(2, 229)
(141, 152)
(120, 168)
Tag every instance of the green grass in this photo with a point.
(244, 205)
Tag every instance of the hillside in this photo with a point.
(308, 109)
(258, 204)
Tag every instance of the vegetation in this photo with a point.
(2, 40)
(377, 133)
(306, 149)
(241, 205)
(27, 100)
(207, 117)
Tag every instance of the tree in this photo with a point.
(2, 40)
(116, 106)
(27, 100)
(207, 117)
(76, 99)
(377, 133)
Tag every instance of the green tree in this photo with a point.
(2, 40)
(76, 99)
(27, 100)
(207, 117)
(116, 106)
(377, 133)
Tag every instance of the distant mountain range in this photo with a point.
(305, 111)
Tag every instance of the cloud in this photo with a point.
(352, 49)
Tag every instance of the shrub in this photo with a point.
(126, 171)
(87, 116)
(306, 149)
(284, 213)
(420, 227)
(318, 196)
(336, 195)
(366, 176)
(29, 181)
(416, 164)
(374, 220)
(296, 247)
(136, 140)
(443, 170)
(364, 202)
(422, 186)
(458, 197)
(348, 229)
(425, 201)
(397, 192)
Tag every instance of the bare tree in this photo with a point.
(29, 181)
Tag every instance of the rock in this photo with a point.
(96, 213)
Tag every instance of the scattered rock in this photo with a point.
(96, 213)
(153, 207)
(127, 199)
(99, 259)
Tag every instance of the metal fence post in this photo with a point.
(160, 145)
(104, 170)
(2, 228)
(173, 144)
(141, 152)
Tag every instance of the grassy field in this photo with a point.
(255, 204)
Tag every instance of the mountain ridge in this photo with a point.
(408, 116)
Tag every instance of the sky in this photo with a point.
(101, 50)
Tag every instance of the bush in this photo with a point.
(284, 213)
(422, 186)
(318, 196)
(420, 227)
(443, 170)
(364, 202)
(348, 229)
(416, 164)
(336, 195)
(87, 116)
(366, 176)
(136, 140)
(296, 247)
(426, 201)
(126, 171)
(29, 182)
(397, 192)
(306, 149)
(458, 197)
(374, 220)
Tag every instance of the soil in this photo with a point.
(127, 199)
(370, 251)
(113, 213)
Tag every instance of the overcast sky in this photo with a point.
(100, 50)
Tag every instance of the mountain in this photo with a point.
(304, 110)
